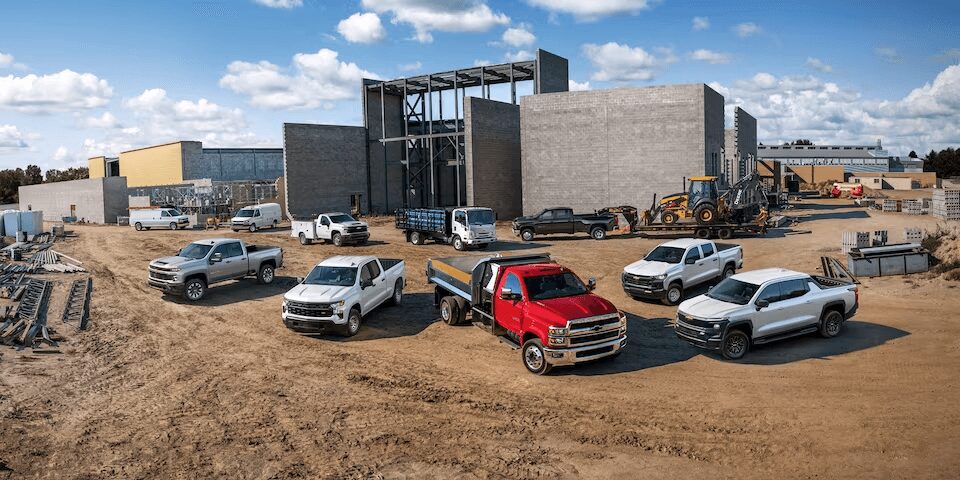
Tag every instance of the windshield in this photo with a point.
(245, 212)
(342, 218)
(174, 212)
(665, 254)
(338, 276)
(196, 251)
(733, 291)
(480, 217)
(554, 286)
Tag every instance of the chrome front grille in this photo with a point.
(310, 309)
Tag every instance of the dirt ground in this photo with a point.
(158, 388)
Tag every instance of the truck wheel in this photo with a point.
(353, 323)
(265, 275)
(668, 218)
(173, 226)
(527, 234)
(458, 243)
(598, 233)
(138, 226)
(397, 293)
(534, 357)
(416, 238)
(702, 233)
(674, 294)
(727, 272)
(830, 324)
(337, 239)
(725, 233)
(275, 224)
(462, 310)
(195, 289)
(253, 227)
(448, 311)
(303, 239)
(705, 214)
(735, 345)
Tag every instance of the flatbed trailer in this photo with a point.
(723, 231)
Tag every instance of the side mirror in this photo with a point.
(591, 284)
(300, 279)
(710, 288)
(216, 258)
(761, 304)
(690, 261)
(179, 252)
(366, 283)
(507, 294)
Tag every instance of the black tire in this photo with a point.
(337, 239)
(397, 297)
(674, 294)
(266, 274)
(533, 357)
(304, 240)
(668, 218)
(527, 234)
(458, 244)
(138, 226)
(275, 224)
(598, 233)
(252, 228)
(173, 226)
(448, 311)
(735, 345)
(727, 271)
(195, 289)
(725, 233)
(831, 323)
(462, 310)
(416, 238)
(353, 323)
(705, 214)
(702, 233)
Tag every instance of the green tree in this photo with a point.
(72, 173)
(802, 141)
(946, 163)
(913, 154)
(32, 175)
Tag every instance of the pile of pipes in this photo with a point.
(27, 326)
(49, 260)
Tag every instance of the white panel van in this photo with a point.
(255, 217)
(147, 218)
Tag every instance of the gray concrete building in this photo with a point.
(96, 200)
(740, 147)
(492, 151)
(594, 149)
(853, 158)
(325, 168)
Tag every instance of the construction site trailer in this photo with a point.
(722, 231)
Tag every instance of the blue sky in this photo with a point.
(79, 79)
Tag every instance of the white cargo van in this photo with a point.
(147, 218)
(255, 217)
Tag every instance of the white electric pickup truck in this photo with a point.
(340, 291)
(762, 306)
(677, 265)
(338, 228)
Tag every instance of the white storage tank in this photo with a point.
(29, 222)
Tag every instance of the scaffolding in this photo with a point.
(218, 198)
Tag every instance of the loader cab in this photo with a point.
(703, 189)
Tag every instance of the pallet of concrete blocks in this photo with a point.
(912, 207)
(879, 238)
(912, 235)
(945, 204)
(891, 205)
(853, 240)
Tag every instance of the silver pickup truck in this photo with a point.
(205, 262)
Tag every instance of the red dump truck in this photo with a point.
(531, 303)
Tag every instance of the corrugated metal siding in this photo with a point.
(159, 165)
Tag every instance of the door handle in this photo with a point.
(714, 260)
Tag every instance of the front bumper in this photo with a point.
(166, 287)
(302, 324)
(480, 240)
(644, 291)
(354, 237)
(706, 338)
(572, 356)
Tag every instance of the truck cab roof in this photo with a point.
(214, 241)
(536, 269)
(759, 277)
(346, 261)
(684, 243)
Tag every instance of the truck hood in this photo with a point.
(556, 311)
(353, 224)
(317, 293)
(241, 219)
(705, 307)
(650, 269)
(174, 261)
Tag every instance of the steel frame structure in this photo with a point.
(427, 140)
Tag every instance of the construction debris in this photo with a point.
(29, 324)
(833, 268)
(77, 308)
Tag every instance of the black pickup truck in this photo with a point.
(563, 220)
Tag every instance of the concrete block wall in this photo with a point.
(322, 166)
(386, 179)
(553, 73)
(746, 128)
(492, 156)
(594, 149)
(97, 200)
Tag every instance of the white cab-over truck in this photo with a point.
(680, 264)
(340, 291)
(337, 228)
(762, 306)
(462, 227)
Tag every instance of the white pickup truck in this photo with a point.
(338, 228)
(762, 306)
(340, 291)
(679, 264)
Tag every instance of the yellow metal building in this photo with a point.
(155, 165)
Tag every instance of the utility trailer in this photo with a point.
(723, 231)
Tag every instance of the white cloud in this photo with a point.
(280, 3)
(481, 63)
(426, 16)
(622, 63)
(11, 138)
(710, 56)
(747, 29)
(518, 56)
(938, 99)
(362, 28)
(409, 67)
(58, 92)
(6, 60)
(519, 36)
(593, 9)
(950, 54)
(313, 81)
(888, 54)
(107, 120)
(575, 86)
(700, 23)
(819, 65)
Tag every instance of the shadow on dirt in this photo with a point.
(238, 291)
(414, 315)
(687, 294)
(855, 336)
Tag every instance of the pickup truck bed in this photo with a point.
(388, 263)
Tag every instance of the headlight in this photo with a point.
(623, 318)
(558, 331)
(174, 269)
(283, 306)
(660, 277)
(338, 306)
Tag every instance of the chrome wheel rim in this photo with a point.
(267, 275)
(727, 273)
(597, 234)
(354, 323)
(397, 294)
(735, 345)
(303, 239)
(673, 295)
(253, 228)
(527, 236)
(194, 290)
(534, 358)
(445, 312)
